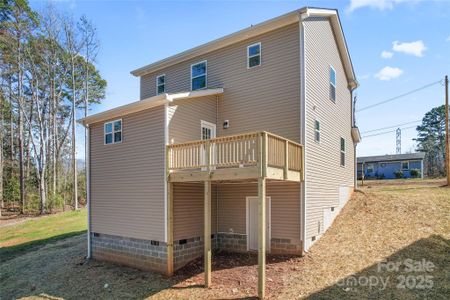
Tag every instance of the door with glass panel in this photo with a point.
(208, 131)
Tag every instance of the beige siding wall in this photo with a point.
(127, 179)
(262, 98)
(324, 175)
(184, 119)
(285, 210)
(188, 200)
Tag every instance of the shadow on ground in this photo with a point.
(10, 252)
(410, 281)
(57, 267)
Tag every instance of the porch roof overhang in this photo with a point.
(146, 103)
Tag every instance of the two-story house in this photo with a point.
(244, 143)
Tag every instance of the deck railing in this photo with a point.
(237, 151)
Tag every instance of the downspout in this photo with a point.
(88, 191)
(303, 185)
(166, 142)
(217, 185)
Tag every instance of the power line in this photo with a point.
(400, 96)
(393, 126)
(386, 132)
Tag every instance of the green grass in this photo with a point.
(22, 237)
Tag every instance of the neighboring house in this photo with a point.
(386, 166)
(261, 114)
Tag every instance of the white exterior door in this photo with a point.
(208, 131)
(252, 223)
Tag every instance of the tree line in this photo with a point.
(431, 140)
(48, 77)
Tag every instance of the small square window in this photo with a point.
(254, 55)
(332, 84)
(113, 132)
(405, 166)
(199, 76)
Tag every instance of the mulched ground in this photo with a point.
(384, 222)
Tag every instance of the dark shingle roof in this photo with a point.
(393, 157)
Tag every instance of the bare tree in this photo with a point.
(73, 46)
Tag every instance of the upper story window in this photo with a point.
(254, 55)
(342, 152)
(332, 83)
(405, 166)
(113, 132)
(317, 131)
(160, 84)
(199, 76)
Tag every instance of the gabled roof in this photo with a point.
(145, 104)
(394, 157)
(270, 25)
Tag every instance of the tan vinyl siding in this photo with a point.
(285, 208)
(185, 119)
(266, 97)
(188, 214)
(324, 175)
(127, 179)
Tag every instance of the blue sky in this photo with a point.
(396, 46)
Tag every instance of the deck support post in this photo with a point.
(261, 237)
(169, 228)
(286, 160)
(207, 235)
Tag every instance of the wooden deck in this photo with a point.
(255, 156)
(239, 157)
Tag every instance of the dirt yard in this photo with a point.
(404, 223)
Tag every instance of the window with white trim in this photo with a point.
(317, 131)
(370, 168)
(113, 132)
(342, 152)
(160, 84)
(199, 75)
(254, 55)
(405, 165)
(332, 84)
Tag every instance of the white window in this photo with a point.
(199, 75)
(370, 168)
(113, 132)
(332, 84)
(317, 131)
(405, 165)
(160, 84)
(342, 152)
(254, 55)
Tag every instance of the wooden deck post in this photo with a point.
(169, 228)
(286, 160)
(261, 237)
(262, 217)
(207, 235)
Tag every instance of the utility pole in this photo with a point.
(447, 145)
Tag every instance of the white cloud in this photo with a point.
(413, 48)
(387, 54)
(376, 4)
(388, 73)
